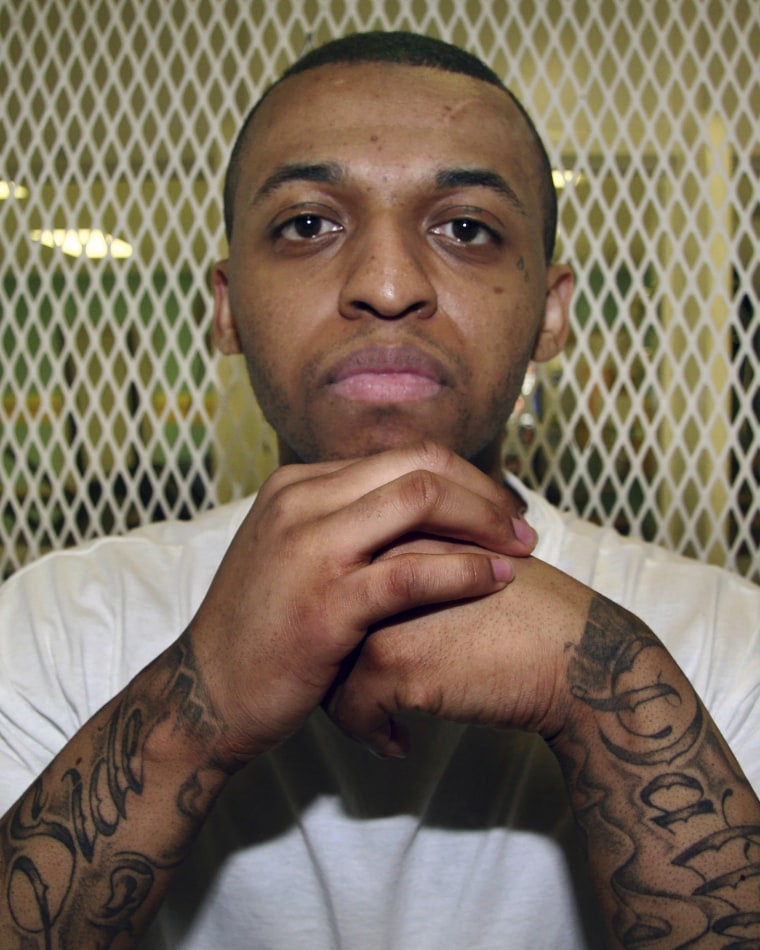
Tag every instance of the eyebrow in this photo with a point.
(331, 173)
(326, 173)
(450, 178)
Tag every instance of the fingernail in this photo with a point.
(524, 532)
(502, 571)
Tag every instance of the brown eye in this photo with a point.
(466, 231)
(307, 227)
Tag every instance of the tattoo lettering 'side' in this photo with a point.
(63, 836)
(666, 818)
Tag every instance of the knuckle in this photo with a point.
(289, 514)
(381, 654)
(278, 481)
(431, 455)
(402, 581)
(288, 493)
(422, 491)
(475, 572)
(280, 502)
(392, 670)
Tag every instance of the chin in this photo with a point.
(372, 440)
(334, 432)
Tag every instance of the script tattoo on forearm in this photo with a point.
(686, 872)
(62, 847)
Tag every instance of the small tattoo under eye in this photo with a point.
(522, 266)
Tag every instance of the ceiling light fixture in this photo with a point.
(90, 242)
(11, 189)
(562, 177)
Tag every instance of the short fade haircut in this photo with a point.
(404, 49)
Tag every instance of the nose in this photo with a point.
(386, 276)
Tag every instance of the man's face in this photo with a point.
(386, 279)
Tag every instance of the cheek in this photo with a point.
(263, 337)
(499, 354)
(262, 322)
(272, 361)
(499, 331)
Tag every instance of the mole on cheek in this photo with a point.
(498, 290)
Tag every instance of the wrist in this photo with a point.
(187, 732)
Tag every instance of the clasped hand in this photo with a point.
(398, 581)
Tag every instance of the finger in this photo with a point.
(392, 494)
(421, 502)
(427, 456)
(343, 481)
(518, 537)
(389, 740)
(389, 587)
(294, 473)
(373, 725)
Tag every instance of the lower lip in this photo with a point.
(386, 387)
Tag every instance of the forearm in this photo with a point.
(87, 853)
(672, 826)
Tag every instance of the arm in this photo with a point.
(88, 851)
(671, 825)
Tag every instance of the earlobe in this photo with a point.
(225, 331)
(555, 325)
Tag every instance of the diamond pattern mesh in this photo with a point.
(117, 120)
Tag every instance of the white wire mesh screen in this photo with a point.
(117, 117)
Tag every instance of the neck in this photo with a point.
(489, 461)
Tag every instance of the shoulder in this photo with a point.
(82, 621)
(654, 582)
(148, 555)
(132, 585)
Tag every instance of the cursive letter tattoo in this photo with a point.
(81, 858)
(662, 795)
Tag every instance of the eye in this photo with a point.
(307, 227)
(467, 231)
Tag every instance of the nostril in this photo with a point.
(422, 309)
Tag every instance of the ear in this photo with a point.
(555, 325)
(225, 331)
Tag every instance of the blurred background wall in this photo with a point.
(117, 118)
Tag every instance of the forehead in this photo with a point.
(389, 115)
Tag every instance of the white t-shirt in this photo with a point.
(468, 843)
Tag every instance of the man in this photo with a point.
(390, 221)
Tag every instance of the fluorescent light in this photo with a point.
(92, 242)
(10, 189)
(562, 177)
